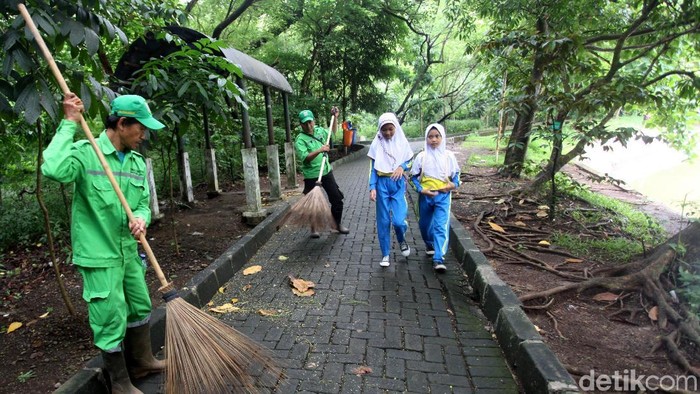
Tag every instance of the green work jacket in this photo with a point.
(305, 144)
(99, 226)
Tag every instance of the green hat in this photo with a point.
(305, 116)
(133, 106)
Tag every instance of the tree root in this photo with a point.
(483, 235)
(556, 325)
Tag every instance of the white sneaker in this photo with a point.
(439, 267)
(385, 261)
(405, 250)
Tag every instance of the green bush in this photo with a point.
(463, 126)
(22, 221)
(689, 289)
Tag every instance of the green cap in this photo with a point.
(305, 116)
(133, 106)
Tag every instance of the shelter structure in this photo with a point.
(253, 70)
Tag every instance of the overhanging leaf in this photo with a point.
(28, 101)
(92, 41)
(77, 33)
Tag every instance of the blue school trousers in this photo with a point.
(434, 222)
(391, 209)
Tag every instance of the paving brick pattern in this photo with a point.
(418, 332)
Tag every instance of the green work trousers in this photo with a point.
(117, 298)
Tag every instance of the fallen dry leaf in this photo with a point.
(307, 293)
(13, 326)
(252, 270)
(520, 224)
(542, 214)
(266, 312)
(283, 258)
(363, 370)
(234, 300)
(544, 242)
(222, 289)
(301, 284)
(44, 316)
(496, 227)
(606, 296)
(573, 261)
(247, 287)
(225, 308)
(654, 313)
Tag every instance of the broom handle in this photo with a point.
(325, 156)
(64, 87)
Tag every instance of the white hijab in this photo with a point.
(389, 154)
(438, 163)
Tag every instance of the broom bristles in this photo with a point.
(312, 210)
(204, 355)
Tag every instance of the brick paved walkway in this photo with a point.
(417, 331)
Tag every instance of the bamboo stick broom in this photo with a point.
(313, 209)
(203, 355)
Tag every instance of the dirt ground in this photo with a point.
(585, 334)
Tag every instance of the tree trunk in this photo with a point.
(47, 227)
(520, 137)
(401, 112)
(230, 18)
(304, 88)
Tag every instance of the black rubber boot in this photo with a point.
(139, 358)
(115, 366)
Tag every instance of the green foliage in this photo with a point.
(22, 220)
(463, 126)
(689, 289)
(611, 249)
(208, 85)
(637, 224)
(24, 376)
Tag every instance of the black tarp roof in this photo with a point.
(147, 47)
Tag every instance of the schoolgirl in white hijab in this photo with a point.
(389, 152)
(391, 156)
(435, 173)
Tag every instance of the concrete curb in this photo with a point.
(198, 290)
(535, 365)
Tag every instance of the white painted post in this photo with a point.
(155, 210)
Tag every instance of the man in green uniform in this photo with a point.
(311, 149)
(104, 245)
